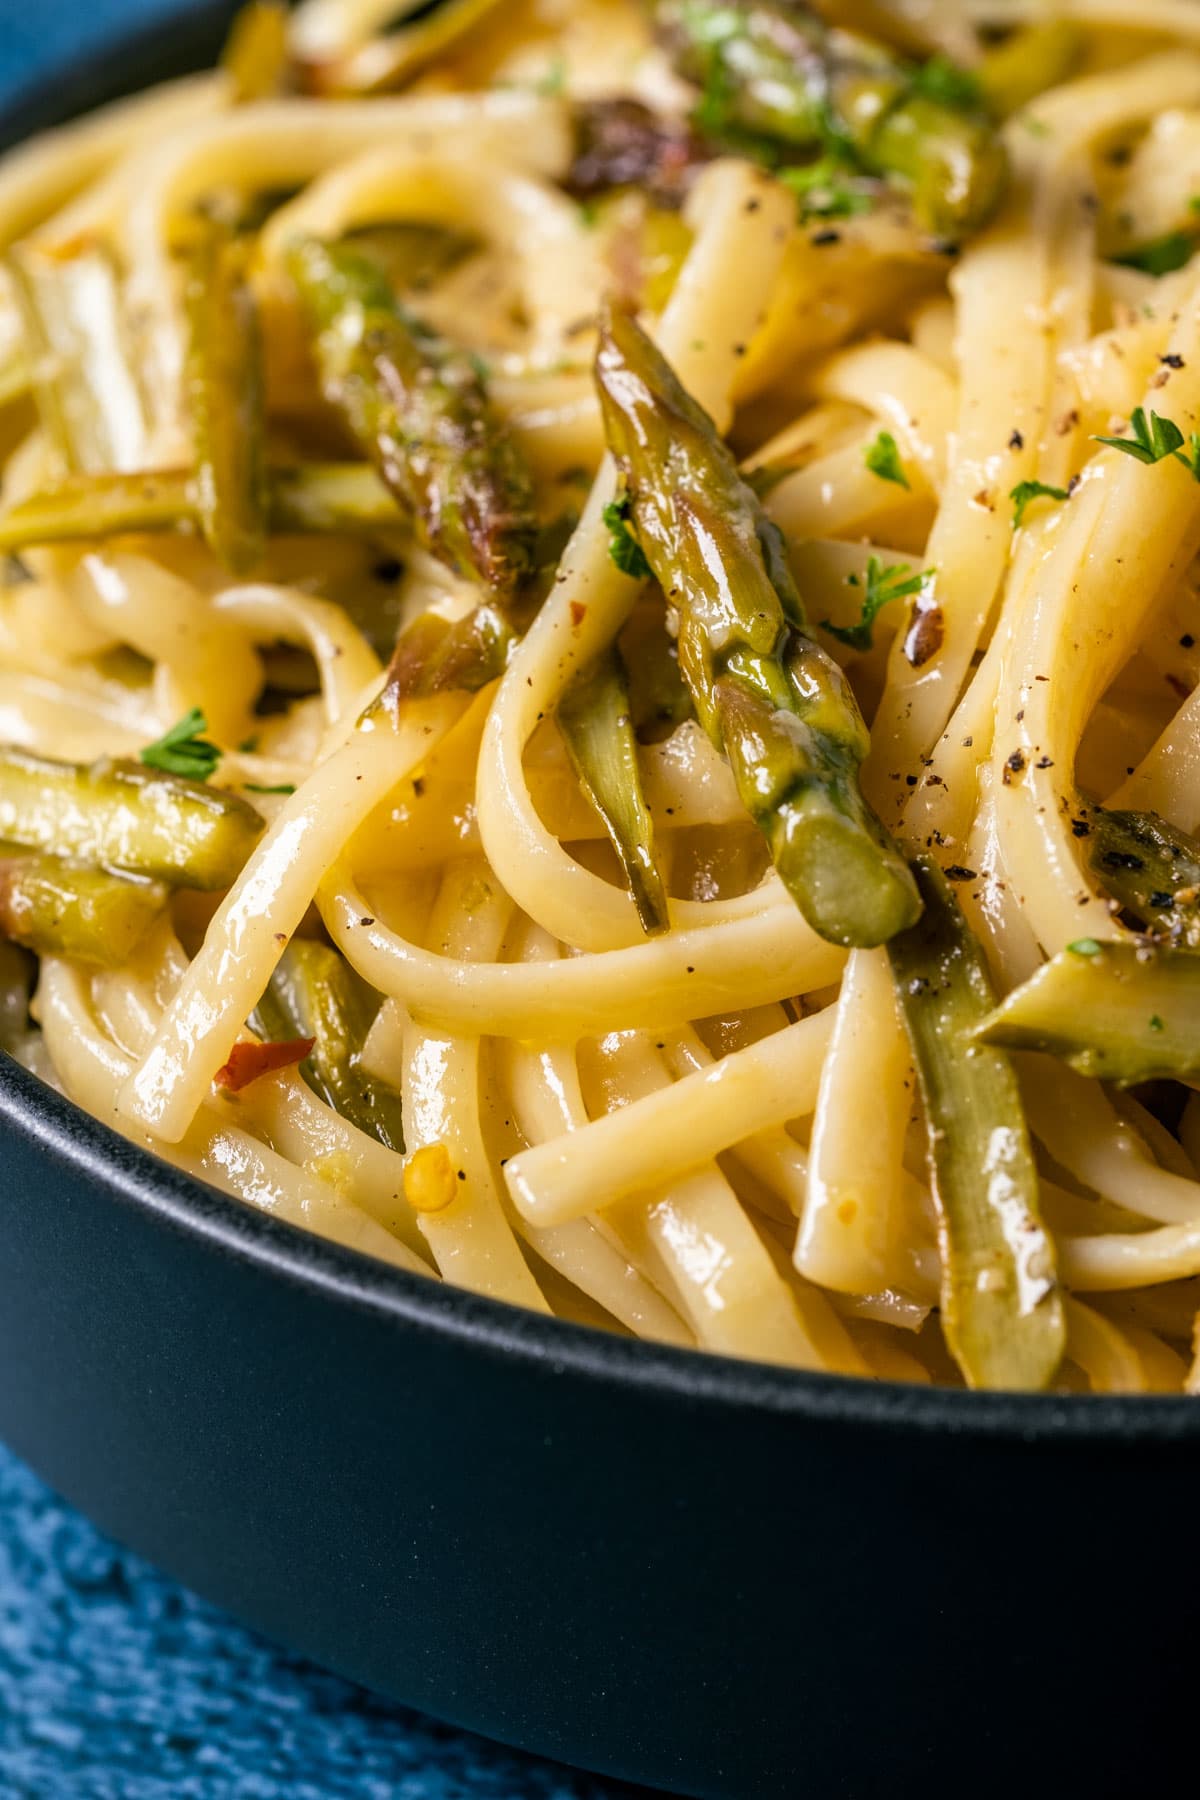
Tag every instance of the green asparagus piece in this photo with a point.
(387, 63)
(1117, 1011)
(346, 499)
(226, 400)
(119, 815)
(420, 410)
(1000, 1306)
(256, 53)
(775, 71)
(411, 255)
(1027, 64)
(763, 689)
(86, 391)
(433, 656)
(1151, 869)
(658, 697)
(594, 718)
(314, 993)
(60, 909)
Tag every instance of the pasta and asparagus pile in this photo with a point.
(599, 659)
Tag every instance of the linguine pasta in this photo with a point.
(498, 974)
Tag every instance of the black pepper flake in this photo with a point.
(366, 921)
(1044, 762)
(418, 785)
(388, 569)
(1187, 641)
(1020, 715)
(1121, 859)
(1172, 359)
(821, 238)
(956, 872)
(1080, 828)
(1016, 441)
(1162, 900)
(910, 780)
(1013, 765)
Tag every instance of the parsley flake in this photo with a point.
(1161, 256)
(1026, 492)
(254, 787)
(824, 191)
(883, 459)
(1086, 947)
(881, 587)
(184, 750)
(946, 84)
(623, 547)
(1156, 1023)
(1153, 442)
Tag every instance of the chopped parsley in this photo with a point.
(184, 750)
(1026, 492)
(880, 588)
(553, 81)
(946, 84)
(1155, 439)
(623, 547)
(1086, 947)
(883, 459)
(825, 190)
(1156, 1023)
(254, 787)
(1161, 256)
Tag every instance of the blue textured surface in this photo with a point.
(115, 1684)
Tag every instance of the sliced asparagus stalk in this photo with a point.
(1150, 868)
(1117, 1011)
(339, 499)
(1026, 64)
(1001, 1309)
(60, 909)
(226, 401)
(594, 718)
(86, 391)
(764, 690)
(314, 993)
(119, 815)
(420, 410)
(774, 70)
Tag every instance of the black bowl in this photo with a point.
(710, 1576)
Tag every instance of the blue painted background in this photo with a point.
(115, 1684)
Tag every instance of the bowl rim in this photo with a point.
(80, 1144)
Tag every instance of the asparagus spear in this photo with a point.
(59, 909)
(84, 385)
(763, 689)
(433, 656)
(420, 410)
(621, 143)
(316, 498)
(1118, 1011)
(772, 69)
(1001, 1309)
(314, 993)
(1152, 869)
(1026, 64)
(594, 718)
(386, 63)
(119, 815)
(225, 396)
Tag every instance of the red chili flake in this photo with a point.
(578, 612)
(248, 1061)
